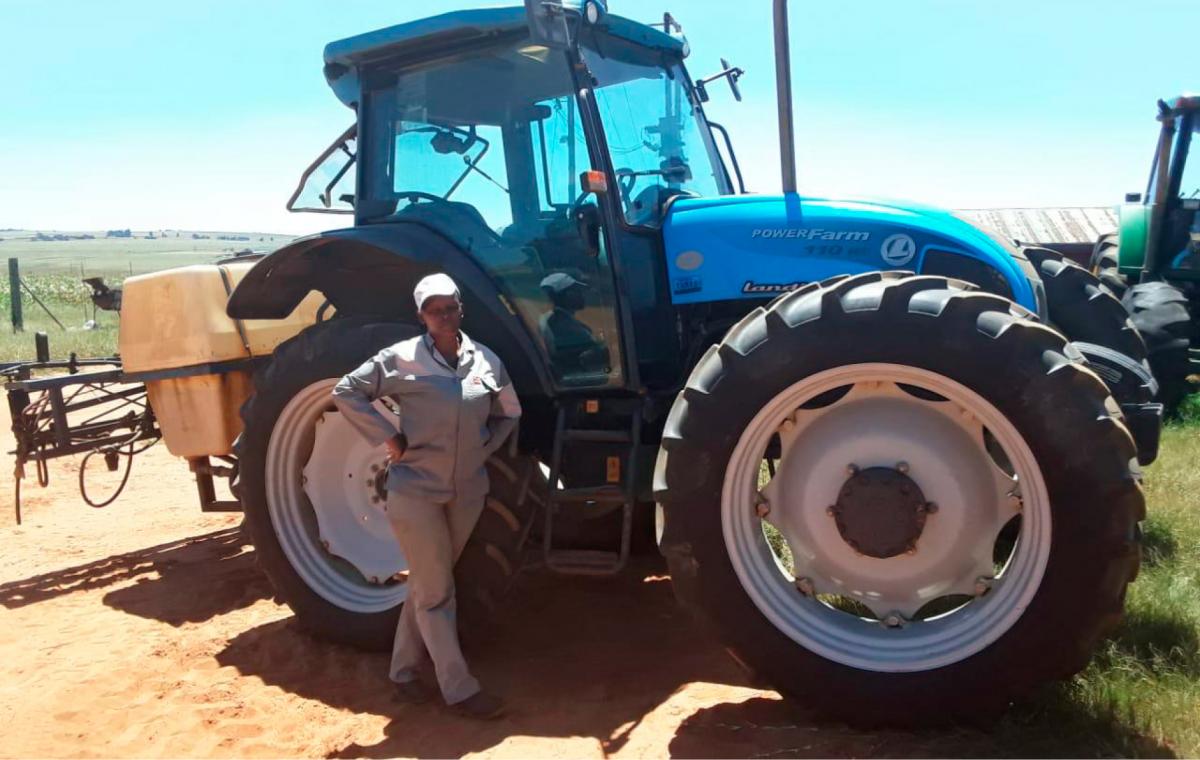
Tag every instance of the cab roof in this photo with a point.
(427, 36)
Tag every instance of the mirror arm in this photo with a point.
(733, 73)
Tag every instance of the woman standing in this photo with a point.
(457, 407)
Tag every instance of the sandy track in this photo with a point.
(146, 630)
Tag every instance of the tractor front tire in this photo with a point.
(1105, 263)
(918, 587)
(1082, 309)
(328, 593)
(1162, 315)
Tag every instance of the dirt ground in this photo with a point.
(145, 629)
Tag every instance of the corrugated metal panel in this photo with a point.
(1046, 225)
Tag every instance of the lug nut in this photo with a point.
(902, 468)
(763, 508)
(831, 511)
(931, 508)
(805, 586)
(375, 579)
(894, 620)
(324, 544)
(788, 425)
(983, 585)
(911, 550)
(851, 469)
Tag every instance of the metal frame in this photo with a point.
(40, 410)
(349, 134)
(1170, 159)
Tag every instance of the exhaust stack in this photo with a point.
(783, 86)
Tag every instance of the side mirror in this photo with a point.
(1133, 197)
(731, 73)
(734, 75)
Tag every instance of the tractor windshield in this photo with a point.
(1189, 186)
(652, 124)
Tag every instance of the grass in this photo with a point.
(68, 300)
(54, 269)
(1141, 694)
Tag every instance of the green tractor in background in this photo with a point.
(1152, 263)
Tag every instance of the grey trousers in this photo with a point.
(432, 536)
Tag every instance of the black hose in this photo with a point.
(43, 469)
(128, 468)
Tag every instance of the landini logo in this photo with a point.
(771, 287)
(807, 233)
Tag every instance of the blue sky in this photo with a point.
(130, 113)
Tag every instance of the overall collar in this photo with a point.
(466, 350)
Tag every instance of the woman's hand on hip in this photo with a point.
(396, 447)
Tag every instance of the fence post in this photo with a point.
(14, 290)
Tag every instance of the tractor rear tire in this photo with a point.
(1162, 315)
(1105, 264)
(1082, 309)
(346, 608)
(1027, 382)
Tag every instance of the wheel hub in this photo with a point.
(342, 480)
(880, 512)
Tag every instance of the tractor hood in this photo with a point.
(751, 246)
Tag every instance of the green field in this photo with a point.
(54, 269)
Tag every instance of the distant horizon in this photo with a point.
(296, 234)
(65, 230)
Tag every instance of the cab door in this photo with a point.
(564, 290)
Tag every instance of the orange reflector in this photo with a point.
(593, 182)
(613, 467)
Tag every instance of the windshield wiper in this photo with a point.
(471, 165)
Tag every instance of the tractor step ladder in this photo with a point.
(592, 562)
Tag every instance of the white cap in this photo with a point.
(434, 285)
(560, 282)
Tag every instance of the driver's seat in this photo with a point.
(465, 227)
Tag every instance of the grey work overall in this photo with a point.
(453, 418)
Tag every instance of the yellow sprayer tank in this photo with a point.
(176, 319)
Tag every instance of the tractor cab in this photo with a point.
(1160, 231)
(550, 165)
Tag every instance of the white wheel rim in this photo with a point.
(879, 424)
(337, 540)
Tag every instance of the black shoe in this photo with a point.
(480, 706)
(413, 693)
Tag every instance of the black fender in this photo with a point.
(372, 270)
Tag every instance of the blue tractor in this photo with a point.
(875, 458)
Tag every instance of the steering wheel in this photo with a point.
(626, 179)
(651, 204)
(454, 206)
(417, 195)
